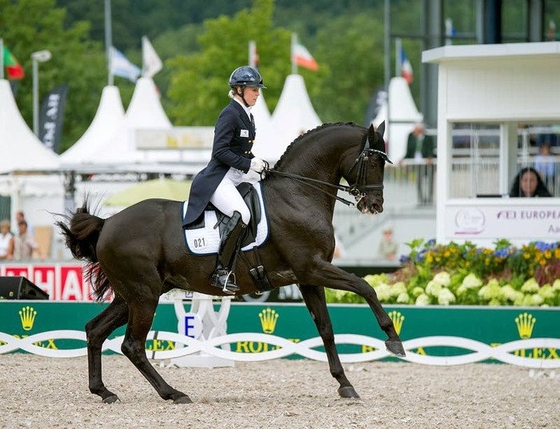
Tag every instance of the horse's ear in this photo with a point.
(381, 129)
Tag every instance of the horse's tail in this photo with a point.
(81, 236)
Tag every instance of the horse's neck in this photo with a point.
(315, 163)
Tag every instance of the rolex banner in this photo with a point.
(431, 335)
(51, 117)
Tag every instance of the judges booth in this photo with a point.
(497, 105)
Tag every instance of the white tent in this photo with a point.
(20, 149)
(293, 116)
(111, 139)
(263, 122)
(108, 119)
(403, 114)
(144, 112)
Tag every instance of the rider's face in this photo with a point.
(251, 95)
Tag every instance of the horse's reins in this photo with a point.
(357, 190)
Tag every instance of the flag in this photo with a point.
(151, 63)
(301, 56)
(406, 68)
(120, 66)
(51, 117)
(253, 54)
(13, 67)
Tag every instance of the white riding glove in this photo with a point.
(258, 165)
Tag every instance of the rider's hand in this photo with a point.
(258, 165)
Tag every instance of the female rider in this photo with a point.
(231, 160)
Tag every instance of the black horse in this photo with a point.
(140, 252)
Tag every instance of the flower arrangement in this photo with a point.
(464, 274)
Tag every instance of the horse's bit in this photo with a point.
(357, 190)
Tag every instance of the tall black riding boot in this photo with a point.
(223, 276)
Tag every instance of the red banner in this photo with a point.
(62, 281)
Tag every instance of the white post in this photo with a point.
(36, 58)
(202, 322)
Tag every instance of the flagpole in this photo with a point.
(294, 42)
(2, 53)
(249, 53)
(398, 60)
(108, 39)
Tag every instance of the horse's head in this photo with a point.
(366, 174)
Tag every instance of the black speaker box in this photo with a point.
(20, 288)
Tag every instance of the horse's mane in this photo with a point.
(310, 133)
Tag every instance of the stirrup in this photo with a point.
(227, 287)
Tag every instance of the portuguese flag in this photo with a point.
(13, 67)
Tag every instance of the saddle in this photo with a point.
(203, 236)
(252, 199)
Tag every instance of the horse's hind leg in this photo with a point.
(134, 347)
(316, 303)
(97, 331)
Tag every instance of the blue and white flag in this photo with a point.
(122, 67)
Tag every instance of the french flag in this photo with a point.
(406, 67)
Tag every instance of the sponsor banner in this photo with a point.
(175, 138)
(62, 281)
(488, 326)
(51, 118)
(507, 218)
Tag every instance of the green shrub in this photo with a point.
(464, 274)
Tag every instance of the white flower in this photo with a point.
(403, 298)
(446, 297)
(471, 282)
(423, 300)
(511, 294)
(383, 292)
(433, 288)
(443, 278)
(530, 285)
(398, 288)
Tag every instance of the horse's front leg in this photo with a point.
(328, 275)
(316, 303)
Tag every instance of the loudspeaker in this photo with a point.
(20, 288)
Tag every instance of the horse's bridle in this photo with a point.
(357, 190)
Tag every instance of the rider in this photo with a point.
(231, 160)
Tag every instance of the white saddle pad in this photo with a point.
(206, 240)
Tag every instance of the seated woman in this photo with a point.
(528, 183)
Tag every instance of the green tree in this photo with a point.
(32, 25)
(198, 88)
(350, 48)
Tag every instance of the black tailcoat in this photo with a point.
(233, 140)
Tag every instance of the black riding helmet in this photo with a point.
(245, 76)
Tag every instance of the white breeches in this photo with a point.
(227, 199)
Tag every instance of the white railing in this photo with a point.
(273, 347)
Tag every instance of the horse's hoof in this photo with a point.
(348, 392)
(111, 399)
(183, 400)
(395, 347)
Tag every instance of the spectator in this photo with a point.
(25, 244)
(20, 216)
(388, 247)
(545, 165)
(528, 183)
(6, 241)
(421, 148)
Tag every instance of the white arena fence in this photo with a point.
(282, 348)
